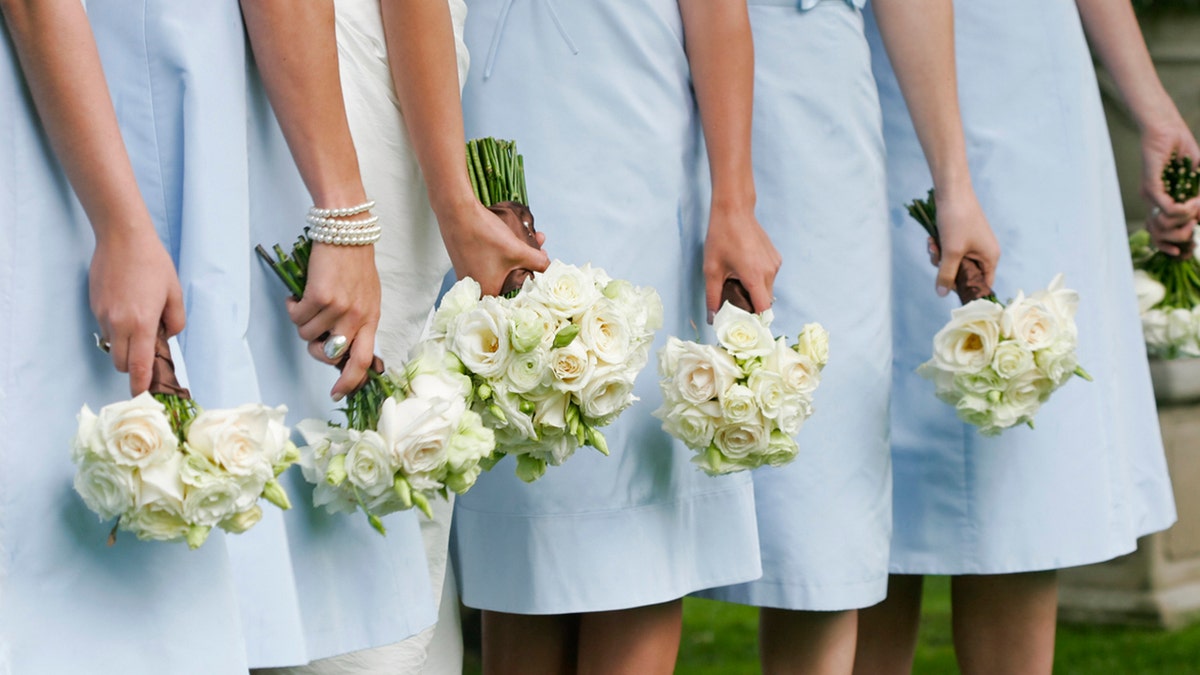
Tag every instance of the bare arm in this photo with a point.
(295, 46)
(1115, 35)
(919, 36)
(721, 54)
(420, 46)
(133, 287)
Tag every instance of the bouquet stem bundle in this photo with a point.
(1168, 287)
(497, 171)
(970, 283)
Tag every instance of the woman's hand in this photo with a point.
(341, 297)
(965, 233)
(134, 292)
(482, 247)
(1170, 223)
(737, 247)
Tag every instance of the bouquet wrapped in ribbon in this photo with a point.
(554, 358)
(409, 436)
(1168, 288)
(998, 363)
(169, 471)
(740, 403)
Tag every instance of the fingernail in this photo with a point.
(338, 396)
(711, 315)
(942, 291)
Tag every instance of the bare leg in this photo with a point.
(887, 632)
(1004, 624)
(638, 641)
(820, 643)
(519, 644)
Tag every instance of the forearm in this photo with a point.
(420, 46)
(720, 51)
(1117, 39)
(295, 47)
(72, 99)
(919, 37)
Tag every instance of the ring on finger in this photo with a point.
(335, 346)
(1155, 212)
(102, 344)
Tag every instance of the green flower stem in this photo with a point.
(496, 171)
(180, 413)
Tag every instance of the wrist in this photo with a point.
(122, 229)
(339, 196)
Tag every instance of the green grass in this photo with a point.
(721, 639)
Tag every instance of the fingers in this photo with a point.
(174, 316)
(541, 238)
(948, 271)
(304, 311)
(141, 360)
(322, 324)
(713, 283)
(935, 253)
(354, 371)
(760, 296)
(535, 259)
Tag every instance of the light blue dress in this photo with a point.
(68, 603)
(1092, 477)
(597, 96)
(824, 520)
(218, 179)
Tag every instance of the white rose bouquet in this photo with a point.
(409, 436)
(418, 441)
(995, 363)
(1168, 288)
(169, 471)
(740, 403)
(554, 363)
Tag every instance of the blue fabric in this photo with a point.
(597, 96)
(69, 604)
(824, 520)
(218, 179)
(1092, 477)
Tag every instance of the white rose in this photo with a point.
(334, 499)
(471, 443)
(1011, 359)
(161, 483)
(781, 449)
(1027, 390)
(703, 372)
(480, 338)
(243, 520)
(244, 441)
(416, 432)
(551, 410)
(564, 289)
(528, 328)
(529, 371)
(212, 502)
(1179, 326)
(108, 489)
(451, 388)
(605, 397)
(738, 405)
(651, 315)
(968, 342)
(814, 344)
(743, 334)
(509, 404)
(156, 522)
(977, 384)
(974, 410)
(462, 297)
(799, 372)
(740, 441)
(769, 391)
(1154, 329)
(604, 329)
(86, 439)
(429, 357)
(1031, 323)
(1148, 289)
(369, 462)
(692, 424)
(1062, 302)
(135, 432)
(571, 366)
(793, 414)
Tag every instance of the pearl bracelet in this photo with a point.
(335, 224)
(364, 237)
(343, 212)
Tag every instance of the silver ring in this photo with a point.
(1154, 212)
(102, 344)
(335, 346)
